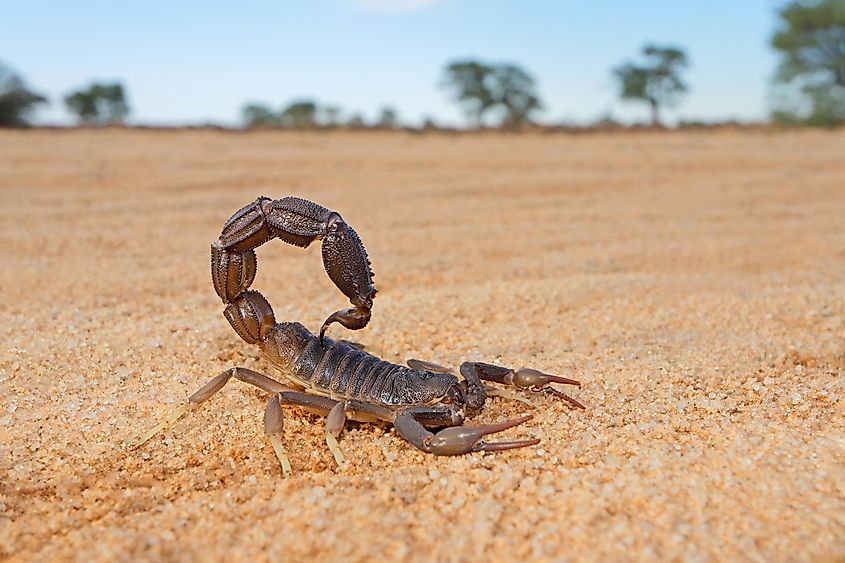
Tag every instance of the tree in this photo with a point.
(514, 90)
(356, 122)
(99, 104)
(389, 118)
(656, 81)
(469, 83)
(811, 75)
(482, 87)
(332, 115)
(429, 124)
(259, 115)
(301, 114)
(16, 100)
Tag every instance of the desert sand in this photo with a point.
(692, 281)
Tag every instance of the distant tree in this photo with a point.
(259, 115)
(16, 100)
(606, 121)
(656, 81)
(429, 123)
(469, 82)
(332, 115)
(481, 87)
(388, 118)
(301, 114)
(811, 76)
(356, 122)
(514, 90)
(99, 104)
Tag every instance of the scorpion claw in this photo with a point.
(502, 446)
(527, 378)
(564, 396)
(458, 440)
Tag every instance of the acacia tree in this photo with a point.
(656, 80)
(259, 115)
(469, 83)
(514, 90)
(16, 100)
(301, 114)
(388, 118)
(331, 115)
(99, 104)
(480, 87)
(811, 75)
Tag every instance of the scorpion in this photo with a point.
(425, 402)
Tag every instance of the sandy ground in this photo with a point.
(692, 281)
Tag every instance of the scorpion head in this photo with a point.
(470, 397)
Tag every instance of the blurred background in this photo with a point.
(423, 63)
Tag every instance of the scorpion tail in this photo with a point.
(298, 222)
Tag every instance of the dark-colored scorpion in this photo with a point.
(335, 378)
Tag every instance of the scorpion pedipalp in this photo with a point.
(523, 378)
(457, 440)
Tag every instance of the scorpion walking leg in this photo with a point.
(273, 428)
(422, 365)
(334, 424)
(205, 393)
(455, 440)
(522, 378)
(337, 412)
(274, 418)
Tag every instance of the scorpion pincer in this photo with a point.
(333, 378)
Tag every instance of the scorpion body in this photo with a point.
(339, 370)
(335, 378)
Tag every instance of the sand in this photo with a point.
(693, 281)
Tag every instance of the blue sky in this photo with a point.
(192, 61)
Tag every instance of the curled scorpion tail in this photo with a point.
(298, 222)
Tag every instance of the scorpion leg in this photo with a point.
(337, 411)
(422, 365)
(334, 424)
(205, 393)
(455, 440)
(274, 418)
(274, 425)
(522, 378)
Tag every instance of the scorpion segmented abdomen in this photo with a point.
(359, 376)
(327, 369)
(305, 366)
(372, 391)
(345, 371)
